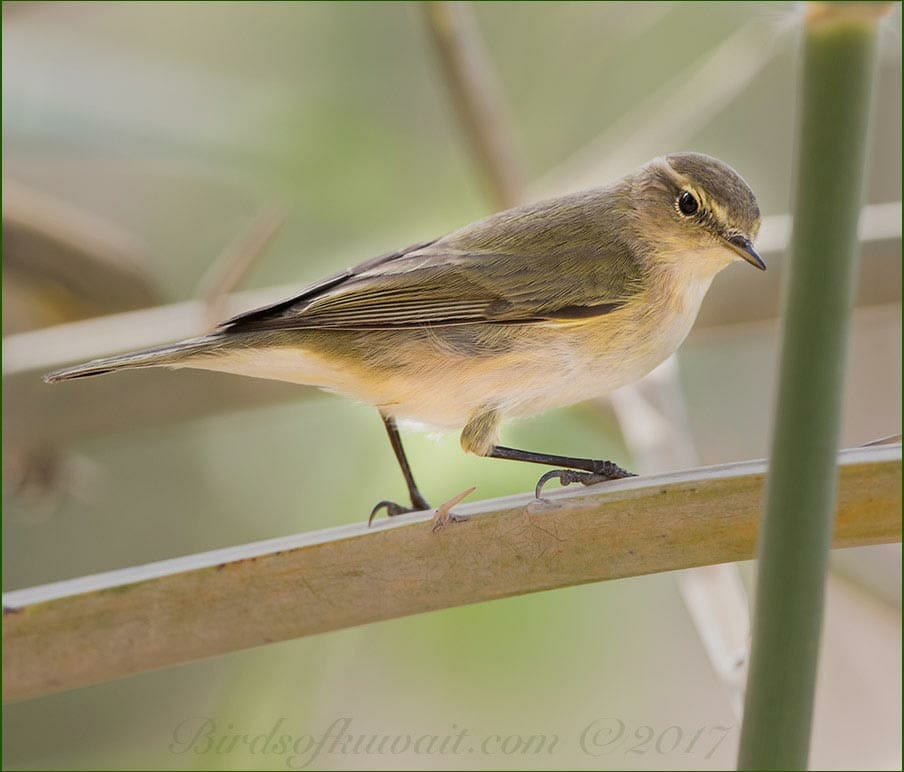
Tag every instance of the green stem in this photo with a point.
(838, 65)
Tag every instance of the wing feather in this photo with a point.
(581, 271)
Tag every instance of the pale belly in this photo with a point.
(552, 375)
(555, 368)
(420, 379)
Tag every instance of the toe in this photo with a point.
(392, 509)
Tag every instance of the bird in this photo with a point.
(537, 307)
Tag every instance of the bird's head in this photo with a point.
(694, 207)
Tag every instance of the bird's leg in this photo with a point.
(479, 437)
(418, 502)
(577, 470)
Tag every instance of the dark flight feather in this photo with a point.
(461, 278)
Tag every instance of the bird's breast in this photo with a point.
(441, 376)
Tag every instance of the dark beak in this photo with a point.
(745, 249)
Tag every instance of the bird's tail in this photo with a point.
(171, 355)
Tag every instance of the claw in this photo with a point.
(606, 471)
(392, 509)
(564, 476)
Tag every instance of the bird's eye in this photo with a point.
(687, 203)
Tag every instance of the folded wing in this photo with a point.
(461, 279)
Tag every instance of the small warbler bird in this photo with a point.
(537, 307)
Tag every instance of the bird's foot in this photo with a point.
(443, 515)
(603, 472)
(393, 509)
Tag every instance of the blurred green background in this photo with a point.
(177, 123)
